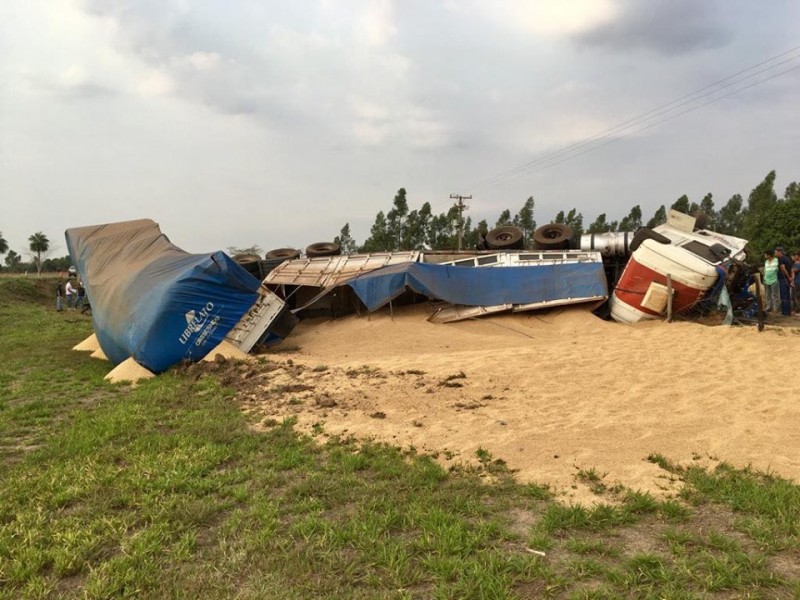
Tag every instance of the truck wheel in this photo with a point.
(323, 249)
(700, 220)
(555, 236)
(282, 253)
(507, 237)
(246, 258)
(646, 233)
(250, 262)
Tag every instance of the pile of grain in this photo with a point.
(99, 354)
(90, 344)
(229, 351)
(129, 370)
(552, 393)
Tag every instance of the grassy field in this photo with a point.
(164, 491)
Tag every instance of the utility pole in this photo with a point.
(461, 208)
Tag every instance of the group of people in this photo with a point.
(72, 294)
(782, 282)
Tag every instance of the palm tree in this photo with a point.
(3, 244)
(39, 245)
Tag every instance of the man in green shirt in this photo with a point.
(771, 281)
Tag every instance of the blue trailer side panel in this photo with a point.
(477, 286)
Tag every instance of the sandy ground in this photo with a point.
(548, 393)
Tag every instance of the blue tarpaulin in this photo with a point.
(153, 301)
(482, 286)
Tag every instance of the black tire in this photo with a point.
(700, 220)
(507, 237)
(246, 258)
(647, 234)
(323, 249)
(250, 263)
(555, 236)
(283, 254)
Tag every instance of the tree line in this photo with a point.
(765, 219)
(37, 253)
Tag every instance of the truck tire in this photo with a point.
(323, 249)
(282, 253)
(700, 220)
(246, 258)
(555, 236)
(250, 262)
(507, 237)
(646, 233)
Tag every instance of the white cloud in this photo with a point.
(75, 75)
(542, 17)
(569, 89)
(400, 124)
(154, 82)
(376, 25)
(556, 17)
(204, 61)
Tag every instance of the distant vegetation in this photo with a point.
(764, 218)
(38, 252)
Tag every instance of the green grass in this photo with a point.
(164, 490)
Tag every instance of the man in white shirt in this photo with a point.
(70, 292)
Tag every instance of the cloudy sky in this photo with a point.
(234, 123)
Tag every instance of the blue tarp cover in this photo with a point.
(153, 301)
(482, 286)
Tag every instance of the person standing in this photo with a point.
(785, 281)
(796, 282)
(69, 292)
(60, 296)
(771, 281)
(80, 296)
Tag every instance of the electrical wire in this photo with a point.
(644, 128)
(639, 123)
(643, 118)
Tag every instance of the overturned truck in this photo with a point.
(160, 304)
(678, 259)
(675, 267)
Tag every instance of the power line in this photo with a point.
(666, 108)
(631, 122)
(614, 139)
(636, 121)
